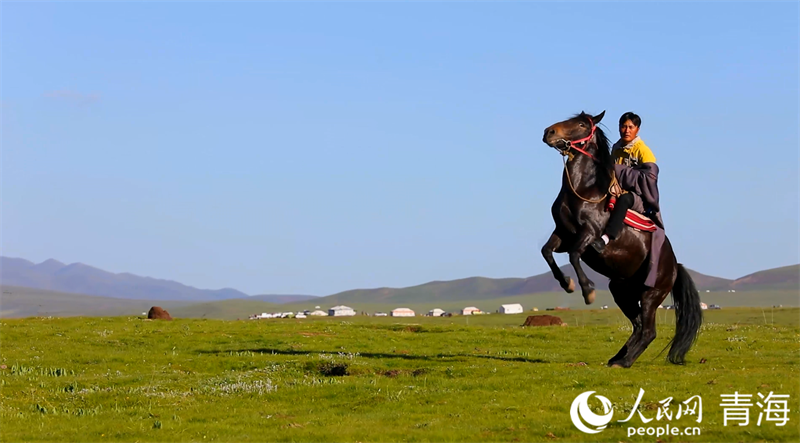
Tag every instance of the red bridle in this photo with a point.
(571, 144)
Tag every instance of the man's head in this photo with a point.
(629, 125)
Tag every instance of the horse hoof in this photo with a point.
(589, 298)
(571, 286)
(616, 365)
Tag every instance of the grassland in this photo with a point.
(19, 302)
(239, 308)
(377, 379)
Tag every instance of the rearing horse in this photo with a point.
(580, 216)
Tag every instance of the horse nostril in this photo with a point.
(550, 132)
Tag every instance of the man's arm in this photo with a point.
(642, 180)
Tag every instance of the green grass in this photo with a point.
(482, 378)
(233, 309)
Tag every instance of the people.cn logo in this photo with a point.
(580, 413)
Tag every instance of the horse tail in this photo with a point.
(688, 316)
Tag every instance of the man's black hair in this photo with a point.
(635, 119)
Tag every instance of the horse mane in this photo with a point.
(603, 153)
(603, 149)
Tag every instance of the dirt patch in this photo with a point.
(392, 373)
(420, 371)
(333, 369)
(543, 320)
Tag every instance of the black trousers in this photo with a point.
(617, 220)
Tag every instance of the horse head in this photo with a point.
(578, 129)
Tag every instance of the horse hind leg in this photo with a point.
(650, 301)
(617, 361)
(630, 307)
(547, 252)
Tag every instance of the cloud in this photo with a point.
(73, 97)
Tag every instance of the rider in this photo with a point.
(637, 172)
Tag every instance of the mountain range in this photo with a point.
(78, 278)
(52, 288)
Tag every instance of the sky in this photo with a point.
(312, 148)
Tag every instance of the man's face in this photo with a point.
(628, 131)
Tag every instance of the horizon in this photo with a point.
(317, 148)
(357, 289)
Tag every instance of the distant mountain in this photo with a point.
(82, 279)
(785, 278)
(280, 299)
(709, 283)
(226, 309)
(481, 288)
(78, 278)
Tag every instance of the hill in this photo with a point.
(707, 282)
(785, 278)
(481, 288)
(27, 302)
(226, 309)
(79, 278)
(279, 299)
(542, 290)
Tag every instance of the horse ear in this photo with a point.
(596, 119)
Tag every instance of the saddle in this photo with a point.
(640, 222)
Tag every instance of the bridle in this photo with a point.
(572, 144)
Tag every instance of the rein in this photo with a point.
(569, 180)
(566, 153)
(571, 144)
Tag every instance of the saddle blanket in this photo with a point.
(639, 221)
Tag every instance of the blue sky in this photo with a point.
(313, 148)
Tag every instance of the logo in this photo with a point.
(737, 408)
(580, 413)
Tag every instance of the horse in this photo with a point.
(580, 216)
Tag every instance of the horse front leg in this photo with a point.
(547, 252)
(587, 286)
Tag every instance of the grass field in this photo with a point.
(241, 308)
(379, 379)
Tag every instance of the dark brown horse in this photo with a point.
(580, 216)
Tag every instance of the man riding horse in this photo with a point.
(640, 263)
(637, 174)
